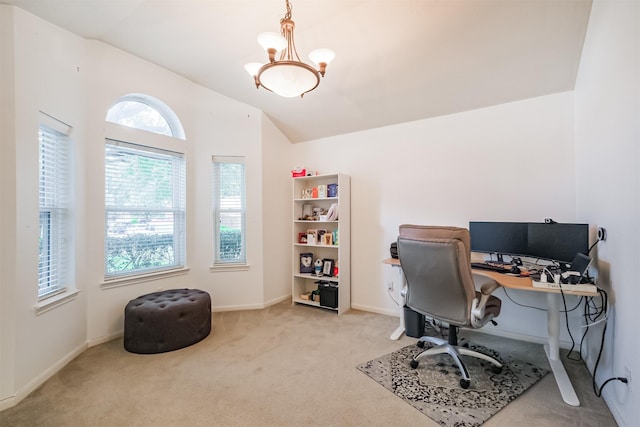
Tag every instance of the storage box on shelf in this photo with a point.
(321, 231)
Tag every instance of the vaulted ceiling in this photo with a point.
(397, 61)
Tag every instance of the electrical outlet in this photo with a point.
(627, 374)
(602, 234)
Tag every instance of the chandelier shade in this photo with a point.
(287, 76)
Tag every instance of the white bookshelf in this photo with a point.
(303, 283)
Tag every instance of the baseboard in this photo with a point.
(486, 330)
(608, 393)
(515, 336)
(277, 300)
(42, 378)
(7, 403)
(387, 312)
(104, 339)
(518, 336)
(610, 399)
(251, 306)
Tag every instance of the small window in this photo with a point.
(54, 170)
(146, 113)
(229, 210)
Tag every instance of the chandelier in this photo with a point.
(287, 76)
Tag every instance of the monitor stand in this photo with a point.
(500, 260)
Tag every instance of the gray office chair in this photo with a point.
(440, 285)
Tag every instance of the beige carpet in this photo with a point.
(282, 366)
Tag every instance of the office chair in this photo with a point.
(440, 285)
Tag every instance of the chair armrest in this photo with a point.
(488, 288)
(478, 318)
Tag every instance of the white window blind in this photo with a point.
(54, 170)
(229, 210)
(144, 208)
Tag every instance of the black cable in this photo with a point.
(537, 308)
(521, 305)
(566, 319)
(589, 318)
(602, 310)
(596, 390)
(592, 246)
(621, 379)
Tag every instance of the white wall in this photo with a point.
(7, 198)
(37, 345)
(276, 212)
(214, 125)
(512, 162)
(76, 81)
(607, 128)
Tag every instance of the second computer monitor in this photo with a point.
(559, 242)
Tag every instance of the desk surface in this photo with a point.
(512, 281)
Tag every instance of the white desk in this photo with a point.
(551, 348)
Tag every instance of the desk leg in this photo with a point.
(401, 329)
(552, 349)
(398, 332)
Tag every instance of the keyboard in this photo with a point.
(582, 287)
(490, 267)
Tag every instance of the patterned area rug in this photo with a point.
(434, 387)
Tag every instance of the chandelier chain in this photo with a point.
(287, 16)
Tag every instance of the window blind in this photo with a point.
(54, 169)
(144, 208)
(229, 210)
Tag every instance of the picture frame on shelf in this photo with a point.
(302, 238)
(327, 239)
(327, 267)
(306, 262)
(312, 237)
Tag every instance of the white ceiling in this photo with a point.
(397, 61)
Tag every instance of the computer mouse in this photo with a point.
(514, 270)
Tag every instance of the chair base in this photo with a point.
(443, 346)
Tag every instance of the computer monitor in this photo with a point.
(501, 238)
(557, 241)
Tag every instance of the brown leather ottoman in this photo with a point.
(167, 320)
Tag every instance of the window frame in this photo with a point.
(219, 211)
(170, 117)
(140, 135)
(54, 207)
(178, 208)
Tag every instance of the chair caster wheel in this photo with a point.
(414, 363)
(496, 369)
(420, 344)
(465, 383)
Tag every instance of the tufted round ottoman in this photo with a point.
(167, 320)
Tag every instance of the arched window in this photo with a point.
(145, 190)
(147, 113)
